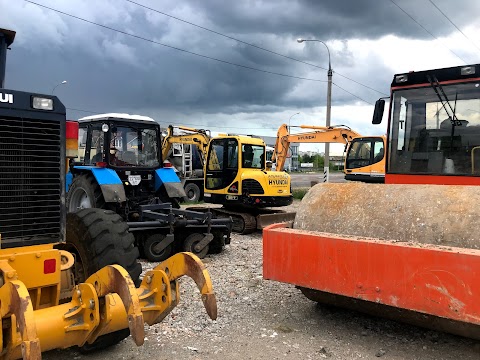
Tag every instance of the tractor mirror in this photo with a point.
(378, 112)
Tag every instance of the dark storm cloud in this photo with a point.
(107, 71)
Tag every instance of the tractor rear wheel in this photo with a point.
(84, 193)
(99, 238)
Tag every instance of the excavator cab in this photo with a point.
(236, 175)
(364, 159)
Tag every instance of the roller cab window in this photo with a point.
(436, 130)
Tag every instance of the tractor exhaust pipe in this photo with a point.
(6, 39)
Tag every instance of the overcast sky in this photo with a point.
(107, 71)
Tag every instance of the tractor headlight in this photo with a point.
(42, 103)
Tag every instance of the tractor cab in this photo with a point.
(119, 165)
(120, 141)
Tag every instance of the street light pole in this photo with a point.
(63, 82)
(326, 166)
(291, 159)
(291, 119)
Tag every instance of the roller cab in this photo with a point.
(408, 249)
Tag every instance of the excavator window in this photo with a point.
(253, 156)
(222, 163)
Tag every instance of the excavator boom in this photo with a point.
(198, 137)
(320, 134)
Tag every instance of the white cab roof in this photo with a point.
(116, 116)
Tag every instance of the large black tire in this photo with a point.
(84, 193)
(190, 242)
(193, 192)
(100, 238)
(149, 248)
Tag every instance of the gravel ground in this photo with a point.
(259, 319)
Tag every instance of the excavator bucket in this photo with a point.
(106, 302)
(421, 268)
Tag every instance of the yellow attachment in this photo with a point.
(188, 264)
(107, 302)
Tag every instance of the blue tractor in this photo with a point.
(120, 168)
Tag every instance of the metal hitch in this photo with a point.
(169, 238)
(207, 239)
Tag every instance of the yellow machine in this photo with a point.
(68, 279)
(191, 136)
(186, 159)
(364, 160)
(236, 177)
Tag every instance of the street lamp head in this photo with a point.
(300, 40)
(64, 81)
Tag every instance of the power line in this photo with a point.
(250, 44)
(358, 97)
(451, 22)
(411, 17)
(183, 123)
(173, 47)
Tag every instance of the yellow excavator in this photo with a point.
(68, 279)
(236, 177)
(184, 160)
(364, 160)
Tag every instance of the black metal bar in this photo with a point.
(6, 39)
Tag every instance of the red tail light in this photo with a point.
(167, 164)
(49, 266)
(101, 164)
(71, 136)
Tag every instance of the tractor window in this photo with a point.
(96, 144)
(133, 146)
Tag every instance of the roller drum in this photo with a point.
(418, 214)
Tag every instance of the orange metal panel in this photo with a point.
(441, 281)
(431, 179)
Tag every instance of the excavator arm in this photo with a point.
(198, 137)
(320, 134)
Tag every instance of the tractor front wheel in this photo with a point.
(99, 238)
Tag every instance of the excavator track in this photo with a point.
(243, 223)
